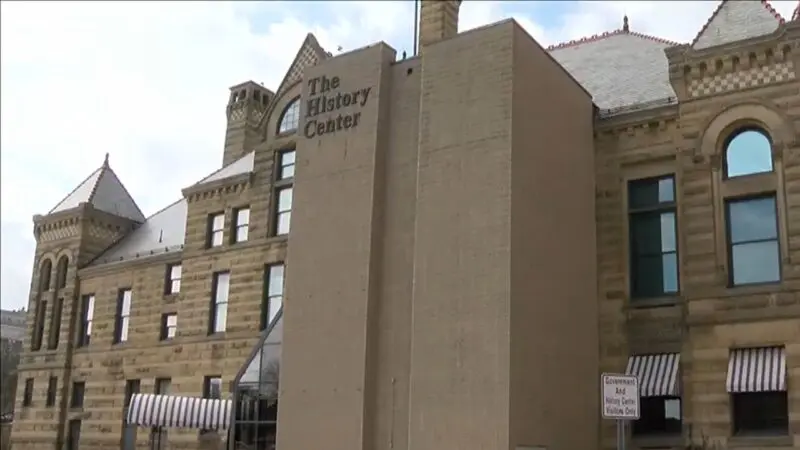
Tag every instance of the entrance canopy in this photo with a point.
(172, 411)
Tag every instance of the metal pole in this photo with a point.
(620, 444)
(416, 26)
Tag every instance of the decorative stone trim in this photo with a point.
(232, 185)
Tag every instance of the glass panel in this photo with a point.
(172, 320)
(176, 286)
(216, 239)
(653, 233)
(275, 304)
(270, 351)
(123, 333)
(126, 303)
(220, 317)
(90, 309)
(275, 280)
(223, 280)
(651, 192)
(219, 222)
(752, 220)
(291, 116)
(287, 158)
(285, 200)
(175, 272)
(243, 217)
(242, 232)
(748, 153)
(284, 222)
(655, 275)
(758, 262)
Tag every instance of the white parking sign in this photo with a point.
(620, 396)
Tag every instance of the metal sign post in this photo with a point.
(620, 399)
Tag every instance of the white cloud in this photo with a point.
(147, 82)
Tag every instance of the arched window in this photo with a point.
(748, 151)
(290, 117)
(61, 272)
(44, 275)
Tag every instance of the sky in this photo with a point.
(147, 82)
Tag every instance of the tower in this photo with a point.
(247, 105)
(438, 20)
(97, 213)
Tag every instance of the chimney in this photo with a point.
(438, 20)
(246, 107)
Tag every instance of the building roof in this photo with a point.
(622, 69)
(737, 20)
(105, 192)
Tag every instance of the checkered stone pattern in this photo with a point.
(307, 57)
(238, 111)
(753, 77)
(104, 234)
(55, 234)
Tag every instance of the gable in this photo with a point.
(310, 54)
(737, 20)
(105, 192)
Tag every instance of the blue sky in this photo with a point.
(147, 82)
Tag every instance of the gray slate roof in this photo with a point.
(103, 190)
(623, 70)
(736, 21)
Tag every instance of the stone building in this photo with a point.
(482, 230)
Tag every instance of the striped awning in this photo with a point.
(170, 411)
(757, 370)
(658, 374)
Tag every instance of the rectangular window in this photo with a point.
(74, 435)
(241, 225)
(27, 395)
(212, 386)
(123, 316)
(173, 281)
(760, 413)
(216, 229)
(87, 315)
(273, 293)
(658, 416)
(753, 251)
(52, 389)
(131, 387)
(38, 330)
(219, 302)
(283, 210)
(78, 391)
(286, 164)
(169, 326)
(163, 386)
(652, 236)
(55, 325)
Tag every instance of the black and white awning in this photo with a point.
(170, 411)
(757, 370)
(658, 374)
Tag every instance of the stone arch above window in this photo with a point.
(44, 275)
(61, 272)
(723, 126)
(747, 151)
(290, 117)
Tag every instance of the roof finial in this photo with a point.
(105, 162)
(625, 27)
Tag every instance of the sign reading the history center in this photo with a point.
(620, 396)
(326, 100)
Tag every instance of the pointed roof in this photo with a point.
(737, 20)
(620, 68)
(310, 54)
(105, 192)
(240, 166)
(796, 12)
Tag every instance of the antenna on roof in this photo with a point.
(160, 235)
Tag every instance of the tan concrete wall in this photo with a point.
(553, 311)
